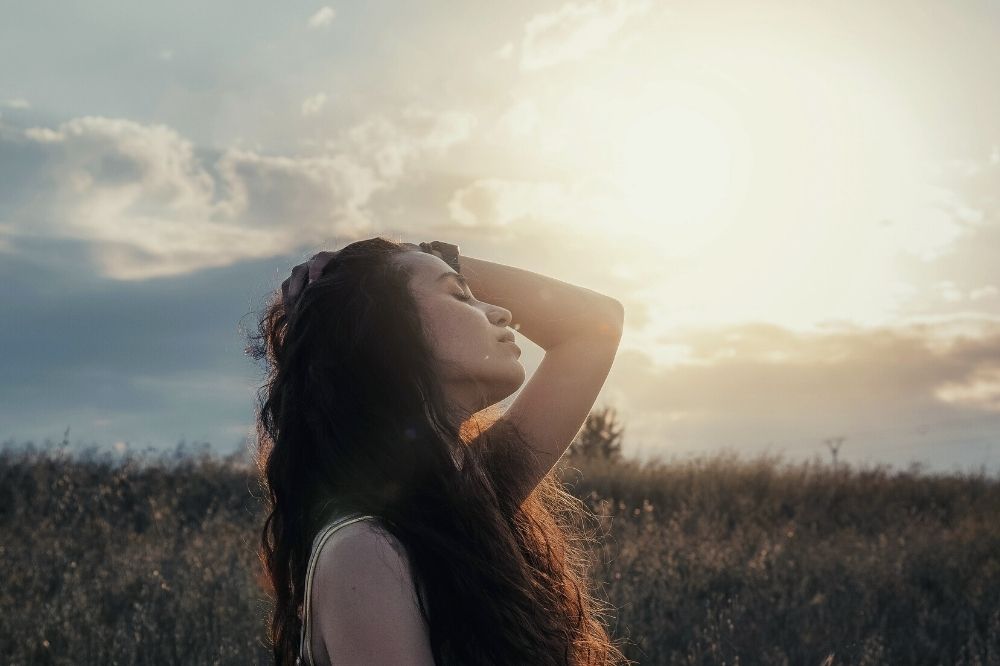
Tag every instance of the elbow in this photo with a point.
(612, 321)
(619, 310)
(617, 316)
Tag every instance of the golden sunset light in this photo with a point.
(412, 333)
(808, 180)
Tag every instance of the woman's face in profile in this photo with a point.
(476, 367)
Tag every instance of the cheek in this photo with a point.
(454, 331)
(462, 337)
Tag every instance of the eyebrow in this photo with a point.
(458, 276)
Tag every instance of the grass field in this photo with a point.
(715, 561)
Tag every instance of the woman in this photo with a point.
(445, 540)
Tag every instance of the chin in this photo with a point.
(516, 379)
(502, 387)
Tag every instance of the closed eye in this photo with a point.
(463, 297)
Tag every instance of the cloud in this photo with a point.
(952, 293)
(148, 204)
(393, 146)
(981, 390)
(729, 384)
(931, 224)
(846, 369)
(980, 293)
(521, 119)
(575, 30)
(125, 360)
(17, 103)
(949, 291)
(140, 196)
(965, 271)
(971, 190)
(322, 18)
(496, 203)
(312, 105)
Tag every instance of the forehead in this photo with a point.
(426, 269)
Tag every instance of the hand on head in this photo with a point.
(303, 275)
(423, 247)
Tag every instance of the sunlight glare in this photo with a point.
(675, 172)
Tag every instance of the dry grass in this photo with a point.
(717, 561)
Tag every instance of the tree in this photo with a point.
(600, 436)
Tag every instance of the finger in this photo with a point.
(294, 283)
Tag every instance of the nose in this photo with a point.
(500, 316)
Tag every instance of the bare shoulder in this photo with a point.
(364, 549)
(365, 608)
(361, 537)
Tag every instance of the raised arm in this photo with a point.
(546, 310)
(578, 328)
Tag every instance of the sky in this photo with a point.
(798, 204)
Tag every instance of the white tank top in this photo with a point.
(305, 657)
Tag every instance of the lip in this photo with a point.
(512, 344)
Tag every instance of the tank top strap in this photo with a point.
(305, 657)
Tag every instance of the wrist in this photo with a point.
(448, 252)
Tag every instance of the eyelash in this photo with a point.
(463, 297)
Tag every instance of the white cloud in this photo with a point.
(980, 390)
(950, 292)
(142, 199)
(149, 206)
(575, 30)
(300, 195)
(322, 18)
(43, 135)
(871, 384)
(521, 119)
(312, 105)
(987, 291)
(393, 146)
(17, 103)
(165, 54)
(927, 226)
(497, 203)
(505, 51)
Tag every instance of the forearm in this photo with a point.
(545, 310)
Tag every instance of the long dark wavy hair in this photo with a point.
(352, 418)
